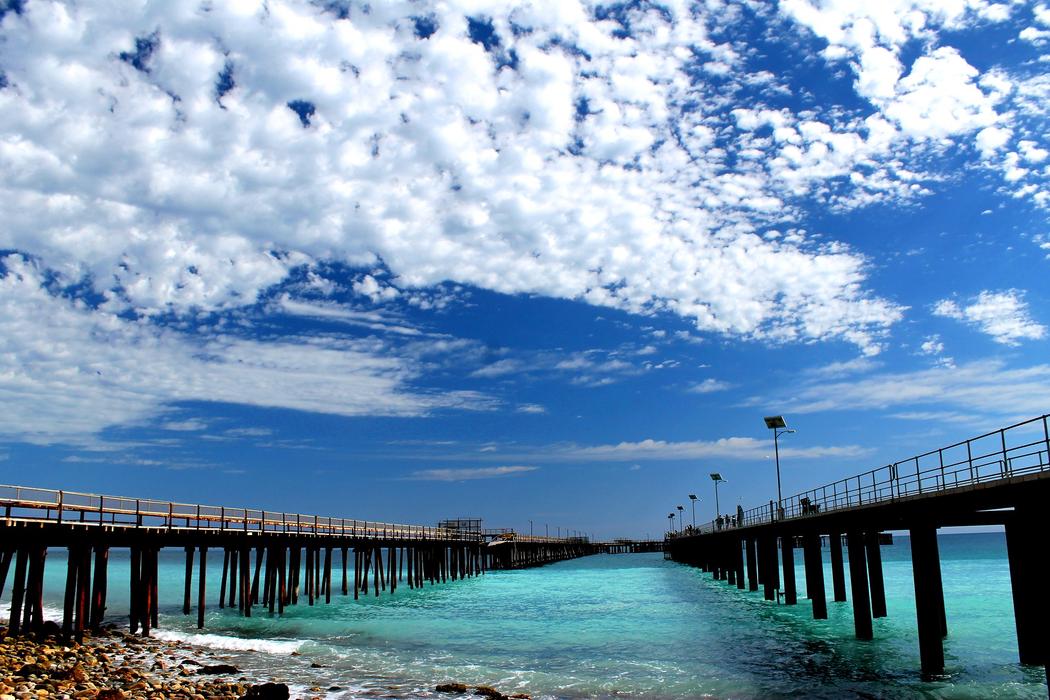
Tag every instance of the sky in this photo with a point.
(546, 262)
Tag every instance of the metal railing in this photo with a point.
(26, 503)
(1017, 450)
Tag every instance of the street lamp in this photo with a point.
(692, 502)
(717, 478)
(670, 516)
(779, 427)
(681, 518)
(530, 528)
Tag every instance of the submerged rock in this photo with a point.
(266, 691)
(218, 668)
(452, 688)
(489, 692)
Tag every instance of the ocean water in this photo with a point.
(623, 626)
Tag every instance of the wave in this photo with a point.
(219, 641)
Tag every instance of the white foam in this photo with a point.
(218, 641)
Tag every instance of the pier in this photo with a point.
(999, 478)
(270, 560)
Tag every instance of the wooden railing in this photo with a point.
(26, 503)
(1017, 450)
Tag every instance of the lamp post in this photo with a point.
(670, 516)
(681, 518)
(717, 478)
(530, 528)
(692, 502)
(779, 427)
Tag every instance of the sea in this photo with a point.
(610, 626)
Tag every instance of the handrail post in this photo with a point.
(1006, 460)
(198, 516)
(138, 516)
(171, 511)
(61, 496)
(940, 455)
(262, 523)
(969, 459)
(222, 515)
(918, 474)
(246, 520)
(1046, 440)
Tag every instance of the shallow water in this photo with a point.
(617, 626)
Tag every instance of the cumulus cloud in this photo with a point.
(709, 386)
(744, 448)
(468, 474)
(181, 158)
(1002, 315)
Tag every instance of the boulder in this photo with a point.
(266, 691)
(452, 688)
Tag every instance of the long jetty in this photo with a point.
(269, 559)
(999, 478)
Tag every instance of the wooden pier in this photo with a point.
(269, 560)
(1000, 478)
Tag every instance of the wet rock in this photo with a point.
(266, 691)
(217, 669)
(50, 629)
(316, 665)
(488, 692)
(31, 669)
(452, 688)
(110, 694)
(520, 696)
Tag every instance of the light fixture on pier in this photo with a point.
(779, 427)
(681, 518)
(692, 499)
(717, 478)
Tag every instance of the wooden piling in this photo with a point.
(752, 570)
(838, 573)
(858, 573)
(202, 578)
(1024, 537)
(929, 597)
(814, 564)
(875, 580)
(99, 587)
(344, 552)
(188, 581)
(222, 581)
(259, 555)
(787, 555)
(18, 588)
(72, 560)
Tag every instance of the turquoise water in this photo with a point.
(628, 625)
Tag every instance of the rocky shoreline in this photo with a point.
(116, 665)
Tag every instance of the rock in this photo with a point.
(488, 692)
(316, 665)
(31, 669)
(266, 691)
(217, 669)
(452, 688)
(77, 673)
(520, 696)
(110, 694)
(334, 688)
(50, 629)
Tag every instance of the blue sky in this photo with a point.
(517, 260)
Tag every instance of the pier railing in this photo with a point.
(1017, 450)
(25, 503)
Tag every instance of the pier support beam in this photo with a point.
(814, 564)
(929, 597)
(858, 574)
(875, 581)
(752, 570)
(838, 575)
(1024, 543)
(787, 554)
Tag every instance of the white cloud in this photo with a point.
(744, 448)
(68, 372)
(468, 474)
(191, 425)
(988, 389)
(1002, 315)
(421, 156)
(533, 408)
(932, 345)
(709, 386)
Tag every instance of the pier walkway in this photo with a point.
(999, 478)
(270, 559)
